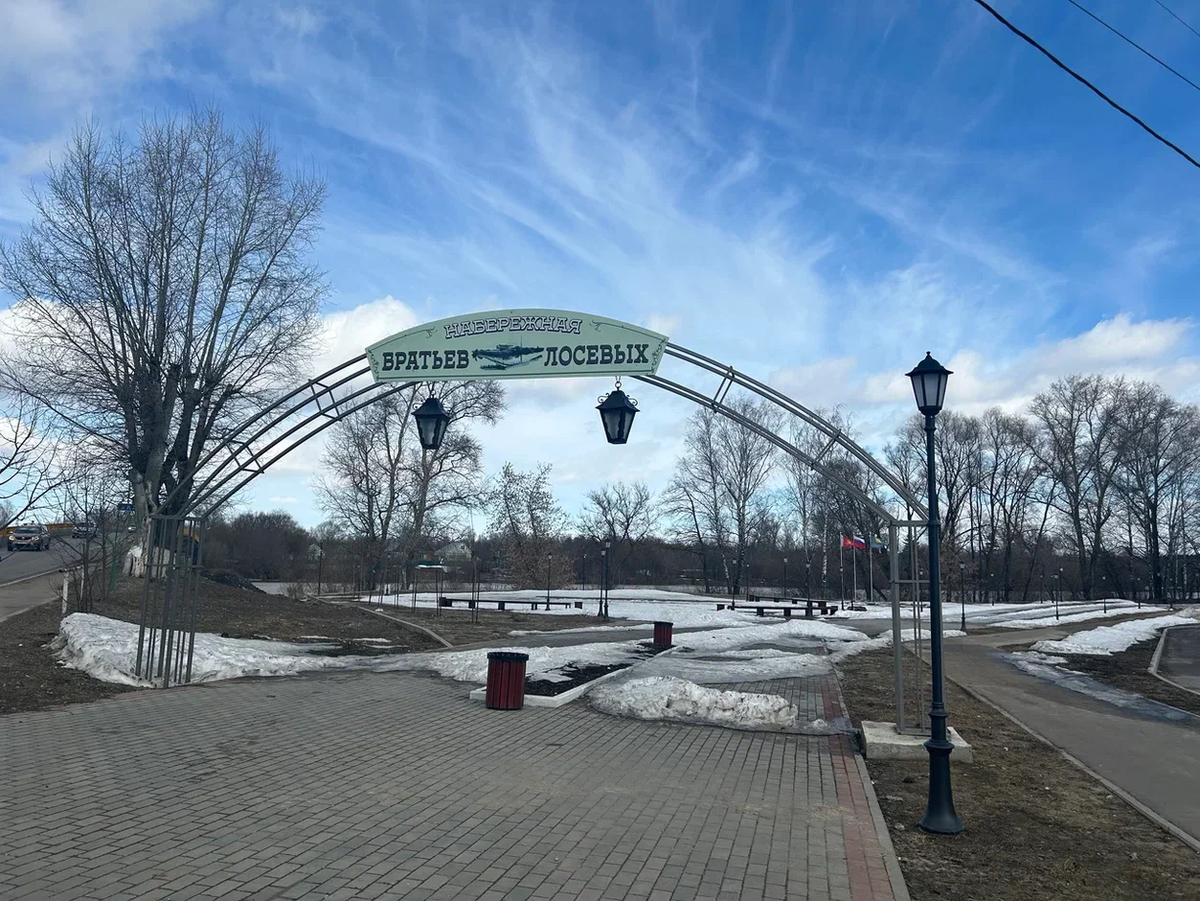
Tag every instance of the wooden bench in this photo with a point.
(762, 604)
(503, 605)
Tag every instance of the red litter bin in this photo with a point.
(662, 635)
(505, 680)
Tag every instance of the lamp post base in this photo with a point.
(940, 816)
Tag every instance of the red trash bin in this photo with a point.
(662, 635)
(505, 680)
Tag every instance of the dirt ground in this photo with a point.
(240, 613)
(1130, 670)
(456, 627)
(30, 678)
(1038, 828)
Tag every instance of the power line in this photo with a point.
(1181, 22)
(1087, 84)
(1132, 43)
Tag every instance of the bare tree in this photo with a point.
(1160, 438)
(529, 523)
(379, 485)
(694, 499)
(1080, 449)
(29, 465)
(720, 477)
(625, 513)
(163, 292)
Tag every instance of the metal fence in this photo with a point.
(167, 632)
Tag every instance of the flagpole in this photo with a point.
(854, 573)
(841, 568)
(870, 570)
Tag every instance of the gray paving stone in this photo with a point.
(395, 786)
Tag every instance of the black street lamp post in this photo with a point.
(320, 564)
(929, 379)
(785, 577)
(607, 564)
(1055, 589)
(549, 557)
(807, 581)
(603, 579)
(962, 594)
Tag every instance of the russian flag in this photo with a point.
(856, 543)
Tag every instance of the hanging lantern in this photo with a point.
(432, 420)
(616, 413)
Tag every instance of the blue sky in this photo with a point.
(815, 193)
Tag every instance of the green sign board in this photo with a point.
(517, 344)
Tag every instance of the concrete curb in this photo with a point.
(1162, 640)
(890, 860)
(48, 572)
(1157, 819)
(572, 694)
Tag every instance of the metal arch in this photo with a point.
(323, 421)
(326, 382)
(786, 446)
(731, 376)
(297, 400)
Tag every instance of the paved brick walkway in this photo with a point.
(396, 787)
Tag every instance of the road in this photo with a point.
(19, 565)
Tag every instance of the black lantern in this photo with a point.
(432, 420)
(929, 379)
(616, 412)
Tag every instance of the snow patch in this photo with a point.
(1104, 640)
(106, 649)
(472, 666)
(668, 698)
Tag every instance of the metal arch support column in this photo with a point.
(894, 593)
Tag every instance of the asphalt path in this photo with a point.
(1153, 758)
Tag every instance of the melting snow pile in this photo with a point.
(472, 666)
(107, 650)
(1104, 640)
(667, 698)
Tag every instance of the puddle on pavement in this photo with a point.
(1086, 685)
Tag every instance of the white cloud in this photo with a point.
(286, 500)
(346, 334)
(63, 52)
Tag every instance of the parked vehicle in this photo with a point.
(84, 530)
(25, 538)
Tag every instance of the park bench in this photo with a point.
(470, 603)
(764, 604)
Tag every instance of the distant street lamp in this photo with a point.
(929, 379)
(616, 414)
(1055, 590)
(549, 557)
(607, 563)
(962, 593)
(807, 580)
(432, 420)
(785, 577)
(603, 579)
